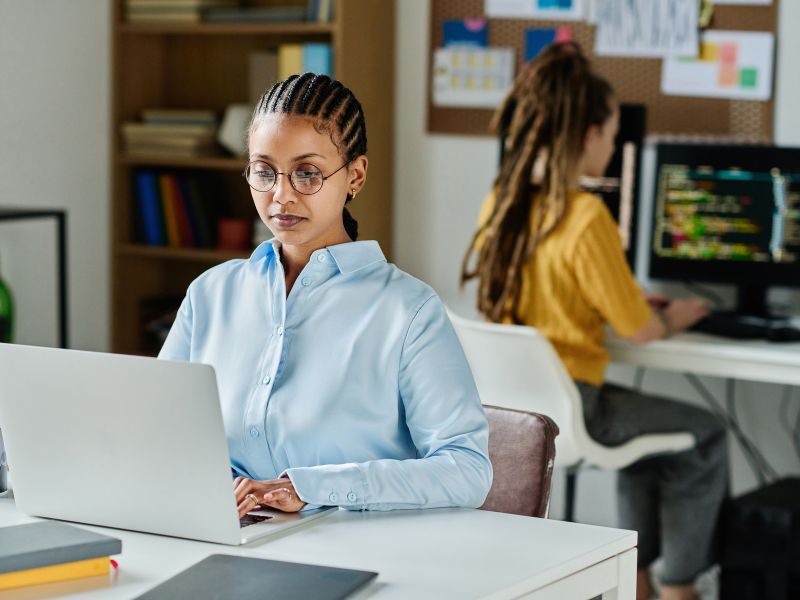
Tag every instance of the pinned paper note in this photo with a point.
(649, 28)
(731, 64)
(469, 32)
(536, 39)
(572, 10)
(472, 77)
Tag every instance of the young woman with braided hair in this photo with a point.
(550, 256)
(341, 379)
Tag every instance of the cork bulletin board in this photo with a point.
(635, 80)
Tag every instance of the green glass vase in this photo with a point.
(6, 312)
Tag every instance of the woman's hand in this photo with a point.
(657, 301)
(271, 493)
(674, 315)
(685, 312)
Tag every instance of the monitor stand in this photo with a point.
(751, 305)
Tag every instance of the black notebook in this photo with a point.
(222, 576)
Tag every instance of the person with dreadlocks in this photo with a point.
(550, 256)
(341, 379)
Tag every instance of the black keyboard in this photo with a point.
(741, 327)
(251, 519)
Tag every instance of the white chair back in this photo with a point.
(515, 366)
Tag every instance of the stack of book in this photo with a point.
(171, 11)
(174, 210)
(320, 11)
(49, 551)
(175, 132)
(257, 14)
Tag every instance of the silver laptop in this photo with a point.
(123, 441)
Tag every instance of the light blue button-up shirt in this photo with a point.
(354, 386)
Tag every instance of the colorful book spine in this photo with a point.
(208, 212)
(169, 206)
(318, 58)
(182, 212)
(150, 208)
(92, 567)
(290, 60)
(196, 214)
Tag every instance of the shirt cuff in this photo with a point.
(331, 485)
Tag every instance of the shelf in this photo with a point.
(221, 163)
(299, 29)
(202, 255)
(206, 65)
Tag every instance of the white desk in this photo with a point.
(438, 553)
(701, 354)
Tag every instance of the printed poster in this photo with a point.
(472, 77)
(648, 28)
(731, 64)
(571, 10)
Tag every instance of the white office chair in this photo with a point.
(516, 367)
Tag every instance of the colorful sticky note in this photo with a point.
(728, 76)
(728, 54)
(748, 78)
(709, 52)
(563, 34)
(536, 39)
(554, 4)
(469, 32)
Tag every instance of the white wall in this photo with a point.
(787, 117)
(441, 180)
(54, 128)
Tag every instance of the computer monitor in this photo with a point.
(728, 214)
(619, 187)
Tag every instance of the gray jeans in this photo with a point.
(672, 500)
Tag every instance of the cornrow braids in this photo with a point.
(332, 108)
(544, 121)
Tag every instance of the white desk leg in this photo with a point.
(626, 578)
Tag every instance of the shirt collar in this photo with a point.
(349, 257)
(265, 250)
(353, 256)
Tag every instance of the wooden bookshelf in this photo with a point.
(297, 29)
(205, 66)
(222, 163)
(200, 255)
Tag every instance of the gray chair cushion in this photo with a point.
(522, 449)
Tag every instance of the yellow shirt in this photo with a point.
(577, 281)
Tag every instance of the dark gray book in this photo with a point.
(250, 14)
(222, 576)
(46, 543)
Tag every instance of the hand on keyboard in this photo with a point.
(740, 327)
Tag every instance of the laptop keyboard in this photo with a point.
(251, 519)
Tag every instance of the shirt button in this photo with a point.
(322, 257)
(305, 281)
(351, 496)
(254, 432)
(266, 380)
(280, 330)
(333, 497)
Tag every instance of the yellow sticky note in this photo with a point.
(709, 52)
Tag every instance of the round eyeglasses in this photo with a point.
(305, 178)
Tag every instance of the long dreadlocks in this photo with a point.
(544, 121)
